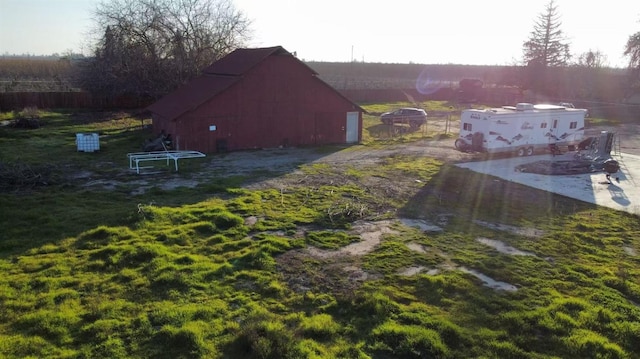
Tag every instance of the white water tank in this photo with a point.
(87, 142)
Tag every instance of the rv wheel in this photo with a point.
(520, 152)
(461, 145)
(529, 151)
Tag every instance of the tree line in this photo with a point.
(147, 48)
(150, 47)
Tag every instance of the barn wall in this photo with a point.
(278, 103)
(197, 127)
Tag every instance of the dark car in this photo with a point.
(414, 117)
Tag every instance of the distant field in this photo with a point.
(36, 74)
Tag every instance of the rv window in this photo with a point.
(573, 125)
(466, 127)
(555, 123)
(543, 125)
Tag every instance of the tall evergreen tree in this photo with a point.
(546, 46)
(546, 53)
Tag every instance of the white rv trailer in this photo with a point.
(523, 129)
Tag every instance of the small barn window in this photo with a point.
(467, 127)
(543, 125)
(555, 123)
(573, 125)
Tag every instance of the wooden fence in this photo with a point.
(10, 101)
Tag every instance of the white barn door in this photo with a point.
(352, 127)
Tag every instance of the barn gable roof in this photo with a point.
(240, 61)
(191, 95)
(216, 78)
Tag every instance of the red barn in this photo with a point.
(256, 98)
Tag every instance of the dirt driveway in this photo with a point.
(287, 160)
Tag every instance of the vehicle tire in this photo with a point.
(461, 145)
(415, 125)
(530, 151)
(521, 152)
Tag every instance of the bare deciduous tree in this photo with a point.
(149, 47)
(589, 76)
(592, 59)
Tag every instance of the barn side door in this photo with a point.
(352, 127)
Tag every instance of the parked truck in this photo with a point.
(523, 129)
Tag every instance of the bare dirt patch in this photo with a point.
(526, 232)
(338, 270)
(503, 248)
(630, 251)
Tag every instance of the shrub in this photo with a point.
(18, 176)
(275, 245)
(571, 306)
(19, 346)
(215, 240)
(264, 338)
(629, 334)
(180, 236)
(258, 258)
(55, 325)
(408, 341)
(225, 220)
(141, 254)
(376, 306)
(320, 326)
(329, 239)
(451, 334)
(587, 344)
(112, 347)
(171, 281)
(28, 112)
(103, 329)
(27, 118)
(204, 228)
(185, 341)
(101, 235)
(506, 350)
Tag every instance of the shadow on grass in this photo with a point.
(474, 195)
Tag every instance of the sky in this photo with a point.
(470, 32)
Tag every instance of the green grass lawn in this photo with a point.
(218, 271)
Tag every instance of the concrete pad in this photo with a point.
(588, 187)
